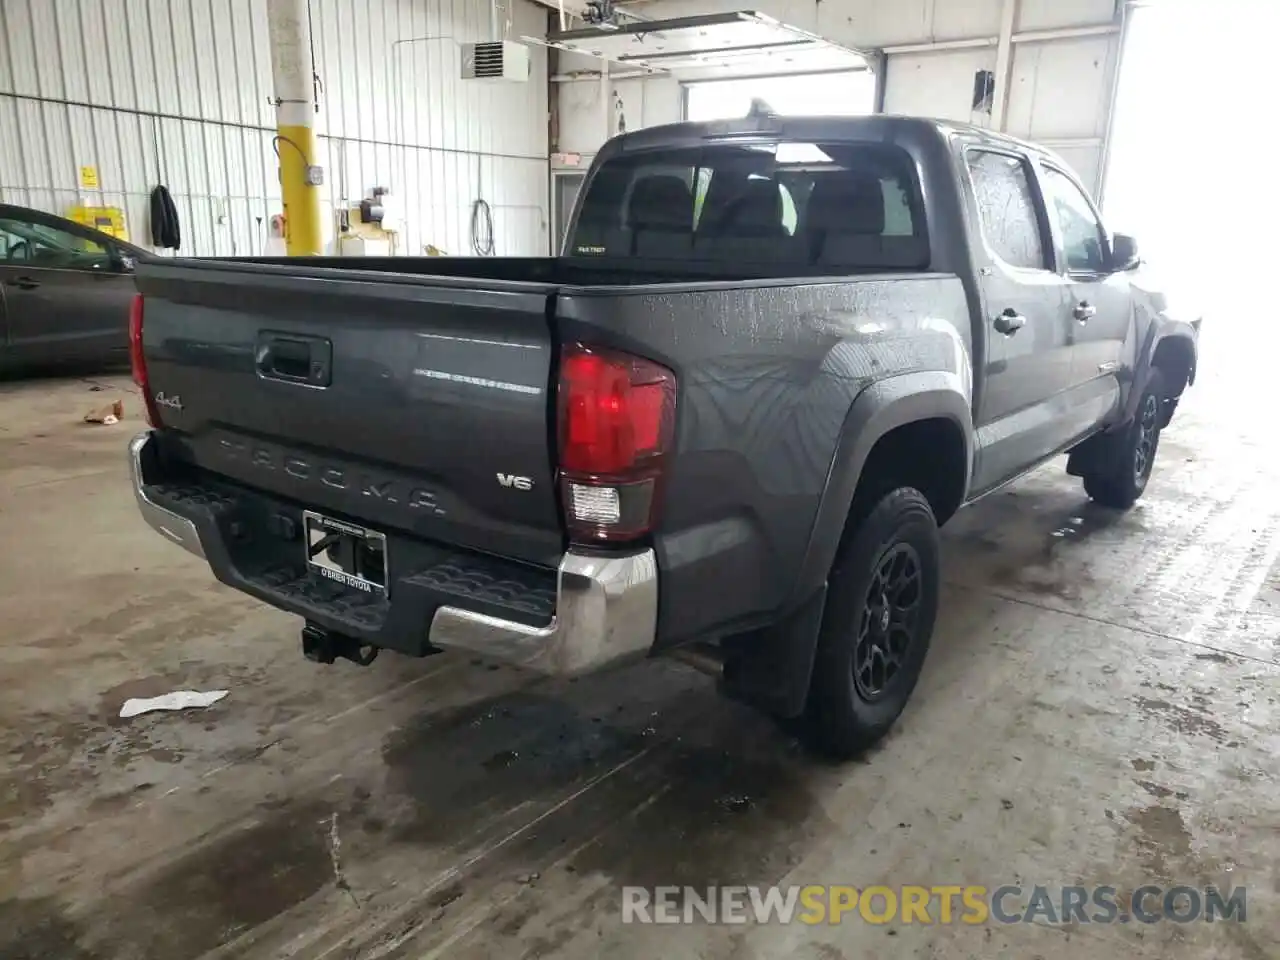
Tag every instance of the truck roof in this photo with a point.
(876, 127)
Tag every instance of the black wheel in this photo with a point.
(881, 604)
(1120, 477)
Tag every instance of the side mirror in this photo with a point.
(1124, 252)
(121, 262)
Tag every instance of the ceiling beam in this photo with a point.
(571, 8)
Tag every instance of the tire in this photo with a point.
(1119, 478)
(867, 624)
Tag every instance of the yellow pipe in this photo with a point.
(289, 33)
(302, 231)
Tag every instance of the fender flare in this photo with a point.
(883, 406)
(1162, 330)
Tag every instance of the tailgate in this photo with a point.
(415, 403)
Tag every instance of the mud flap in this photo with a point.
(770, 668)
(1096, 453)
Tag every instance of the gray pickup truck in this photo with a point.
(725, 425)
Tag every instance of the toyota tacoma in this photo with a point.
(725, 424)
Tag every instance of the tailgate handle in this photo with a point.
(295, 358)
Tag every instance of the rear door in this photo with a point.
(66, 296)
(1028, 358)
(1100, 300)
(422, 404)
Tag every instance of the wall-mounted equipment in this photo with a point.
(374, 209)
(371, 211)
(495, 60)
(107, 219)
(984, 90)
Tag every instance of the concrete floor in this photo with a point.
(1100, 706)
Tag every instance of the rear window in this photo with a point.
(789, 205)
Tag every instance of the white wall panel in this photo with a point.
(177, 91)
(935, 84)
(1048, 14)
(870, 23)
(1059, 89)
(1059, 96)
(647, 102)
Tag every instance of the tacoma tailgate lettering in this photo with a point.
(369, 482)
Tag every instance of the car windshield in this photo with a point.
(790, 205)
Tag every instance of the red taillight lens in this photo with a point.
(138, 360)
(616, 417)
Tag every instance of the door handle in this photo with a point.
(294, 358)
(23, 283)
(1010, 322)
(1085, 311)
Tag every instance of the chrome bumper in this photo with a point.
(606, 610)
(606, 606)
(165, 522)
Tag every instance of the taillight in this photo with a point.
(616, 418)
(138, 360)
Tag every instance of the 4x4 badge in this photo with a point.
(173, 403)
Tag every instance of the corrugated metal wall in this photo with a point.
(177, 92)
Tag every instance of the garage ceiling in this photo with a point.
(715, 46)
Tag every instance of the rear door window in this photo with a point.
(787, 205)
(1007, 213)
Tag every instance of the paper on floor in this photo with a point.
(178, 700)
(106, 415)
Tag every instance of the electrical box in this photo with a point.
(495, 60)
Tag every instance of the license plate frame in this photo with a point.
(360, 548)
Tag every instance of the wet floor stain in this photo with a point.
(683, 815)
(42, 762)
(1034, 549)
(710, 818)
(1162, 837)
(1214, 657)
(1181, 719)
(451, 772)
(1161, 792)
(39, 929)
(621, 795)
(214, 892)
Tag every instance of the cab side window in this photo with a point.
(12, 247)
(1007, 208)
(1083, 239)
(39, 245)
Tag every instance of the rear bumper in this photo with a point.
(605, 608)
(160, 518)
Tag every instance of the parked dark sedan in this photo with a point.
(65, 291)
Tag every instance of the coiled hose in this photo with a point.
(482, 228)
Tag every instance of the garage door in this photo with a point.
(720, 45)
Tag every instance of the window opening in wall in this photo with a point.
(844, 94)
